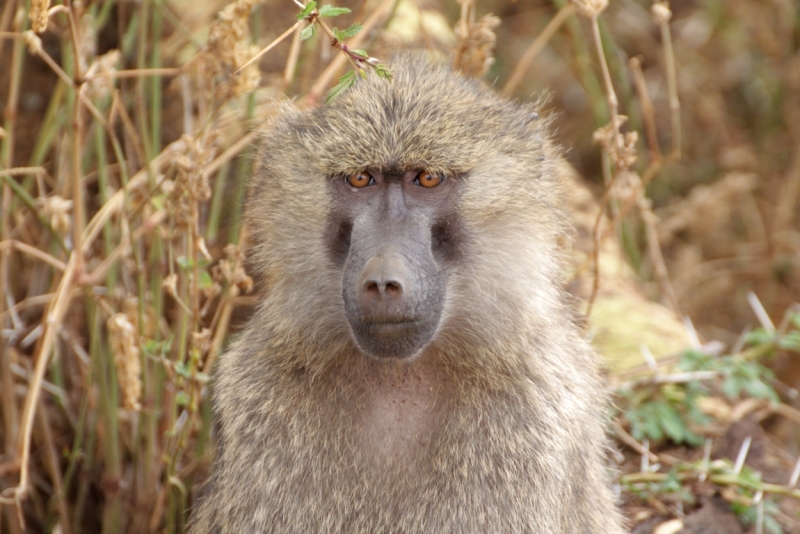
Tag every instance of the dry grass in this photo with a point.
(125, 150)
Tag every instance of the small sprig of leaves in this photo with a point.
(360, 59)
(659, 410)
(669, 410)
(787, 337)
(665, 486)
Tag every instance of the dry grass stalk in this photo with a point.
(100, 75)
(125, 347)
(39, 15)
(536, 46)
(473, 54)
(227, 54)
(590, 9)
(57, 210)
(648, 112)
(662, 15)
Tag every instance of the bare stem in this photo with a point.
(672, 89)
(536, 47)
(270, 46)
(611, 95)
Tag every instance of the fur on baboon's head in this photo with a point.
(426, 117)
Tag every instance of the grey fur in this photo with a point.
(498, 426)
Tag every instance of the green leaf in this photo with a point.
(359, 53)
(205, 280)
(349, 32)
(307, 32)
(182, 369)
(332, 11)
(181, 399)
(157, 348)
(345, 82)
(671, 484)
(651, 424)
(760, 336)
(186, 263)
(693, 360)
(760, 390)
(790, 341)
(732, 386)
(672, 423)
(772, 526)
(383, 71)
(307, 10)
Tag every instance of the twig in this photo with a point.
(784, 213)
(629, 440)
(291, 62)
(100, 271)
(138, 73)
(611, 95)
(227, 306)
(383, 10)
(536, 46)
(648, 112)
(654, 248)
(270, 46)
(672, 378)
(34, 252)
(53, 317)
(761, 313)
(721, 479)
(663, 15)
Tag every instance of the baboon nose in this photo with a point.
(383, 281)
(384, 288)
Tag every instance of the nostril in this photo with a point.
(385, 280)
(394, 289)
(378, 288)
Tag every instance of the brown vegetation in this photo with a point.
(126, 144)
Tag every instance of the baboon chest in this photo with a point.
(397, 418)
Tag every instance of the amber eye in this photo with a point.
(359, 179)
(426, 179)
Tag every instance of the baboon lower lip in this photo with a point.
(390, 326)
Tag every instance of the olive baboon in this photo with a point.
(413, 366)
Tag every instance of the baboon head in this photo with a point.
(389, 182)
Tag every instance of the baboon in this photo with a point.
(414, 366)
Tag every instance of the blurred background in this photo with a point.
(128, 134)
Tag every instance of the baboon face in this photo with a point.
(410, 205)
(394, 233)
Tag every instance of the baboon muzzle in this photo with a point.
(392, 288)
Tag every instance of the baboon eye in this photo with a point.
(360, 179)
(426, 179)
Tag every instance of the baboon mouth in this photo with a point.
(393, 339)
(390, 326)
